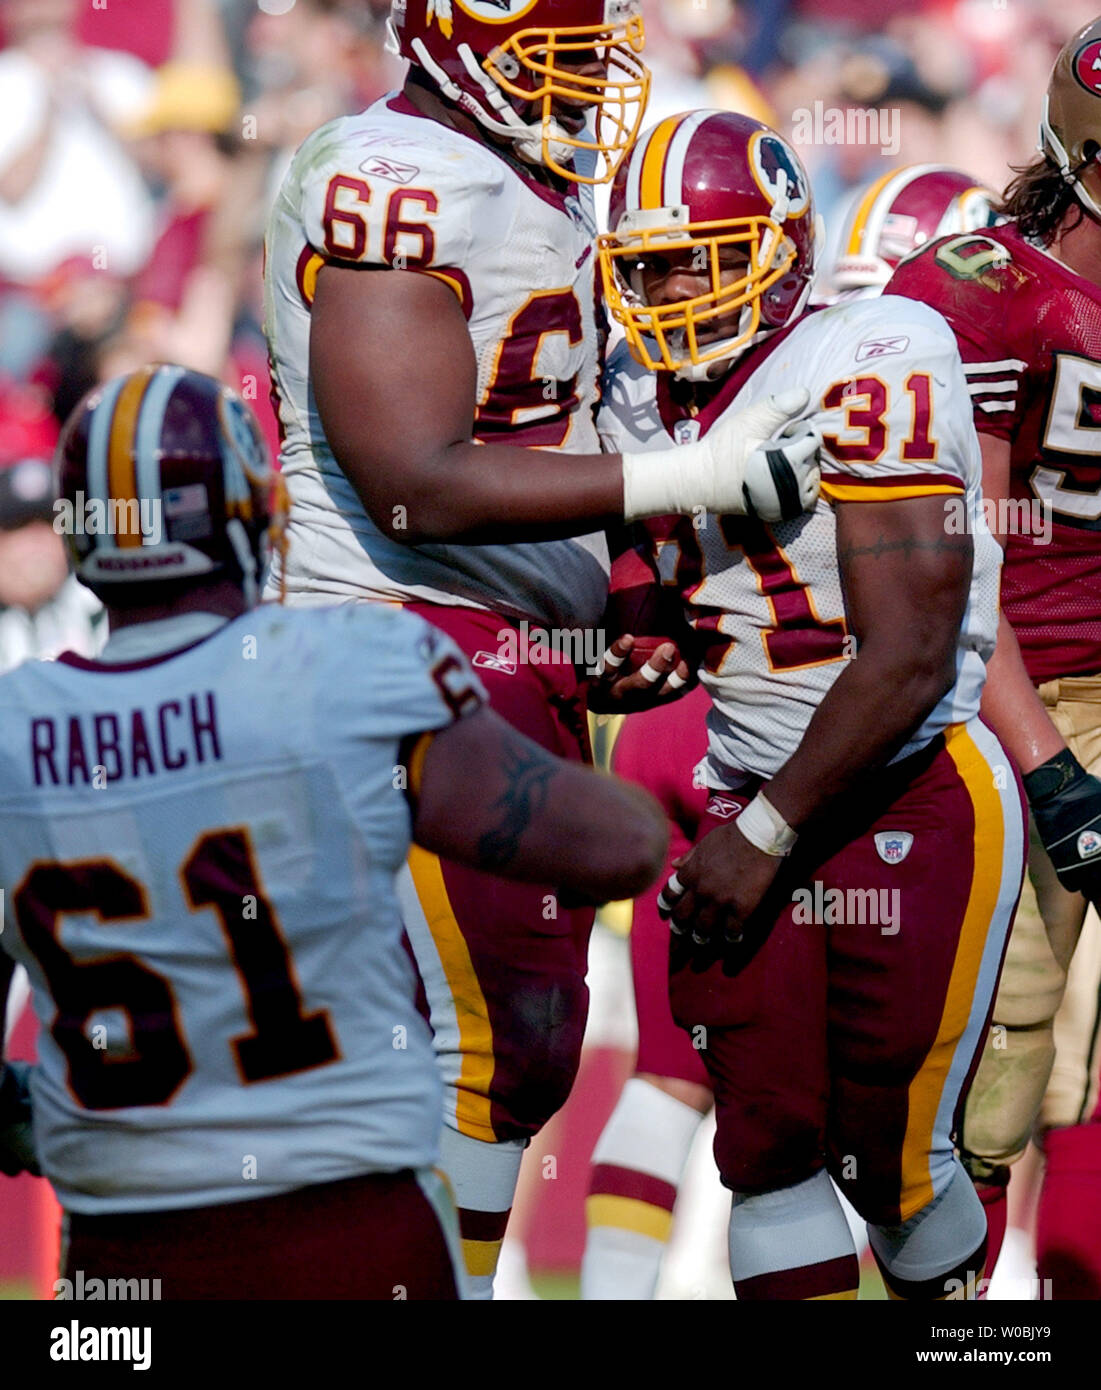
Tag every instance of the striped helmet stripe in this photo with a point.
(121, 466)
(867, 207)
(673, 194)
(97, 442)
(150, 423)
(651, 179)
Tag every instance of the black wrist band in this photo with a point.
(1052, 777)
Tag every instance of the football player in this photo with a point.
(894, 216)
(1024, 300)
(644, 1149)
(840, 922)
(199, 837)
(432, 319)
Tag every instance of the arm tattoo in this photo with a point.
(528, 772)
(907, 545)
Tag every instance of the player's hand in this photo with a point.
(781, 472)
(623, 687)
(761, 461)
(16, 1128)
(715, 889)
(1066, 805)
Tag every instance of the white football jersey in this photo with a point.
(889, 395)
(198, 855)
(390, 187)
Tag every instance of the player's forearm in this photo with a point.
(530, 816)
(869, 713)
(1013, 709)
(474, 494)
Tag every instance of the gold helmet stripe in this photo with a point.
(122, 480)
(652, 182)
(864, 211)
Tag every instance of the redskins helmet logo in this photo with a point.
(1087, 66)
(776, 172)
(495, 11)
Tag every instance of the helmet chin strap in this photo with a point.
(1053, 147)
(238, 539)
(527, 136)
(728, 351)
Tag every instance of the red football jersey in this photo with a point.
(1029, 333)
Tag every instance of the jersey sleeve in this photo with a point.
(393, 676)
(374, 200)
(969, 280)
(893, 409)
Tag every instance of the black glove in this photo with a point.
(16, 1129)
(1066, 805)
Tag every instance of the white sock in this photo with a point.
(938, 1243)
(793, 1242)
(483, 1178)
(638, 1163)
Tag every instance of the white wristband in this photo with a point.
(764, 827)
(664, 483)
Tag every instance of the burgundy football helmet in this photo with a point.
(164, 475)
(498, 59)
(701, 182)
(897, 214)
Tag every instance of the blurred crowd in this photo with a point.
(143, 141)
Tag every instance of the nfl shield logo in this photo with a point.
(893, 846)
(686, 431)
(1089, 843)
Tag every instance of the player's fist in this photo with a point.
(16, 1131)
(637, 673)
(1066, 805)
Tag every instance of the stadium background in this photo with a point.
(141, 144)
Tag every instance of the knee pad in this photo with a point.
(940, 1251)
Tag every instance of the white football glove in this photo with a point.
(761, 461)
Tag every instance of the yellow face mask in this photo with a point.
(618, 98)
(667, 337)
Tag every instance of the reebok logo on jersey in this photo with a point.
(893, 846)
(881, 347)
(491, 661)
(723, 808)
(390, 169)
(1089, 844)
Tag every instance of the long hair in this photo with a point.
(1038, 200)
